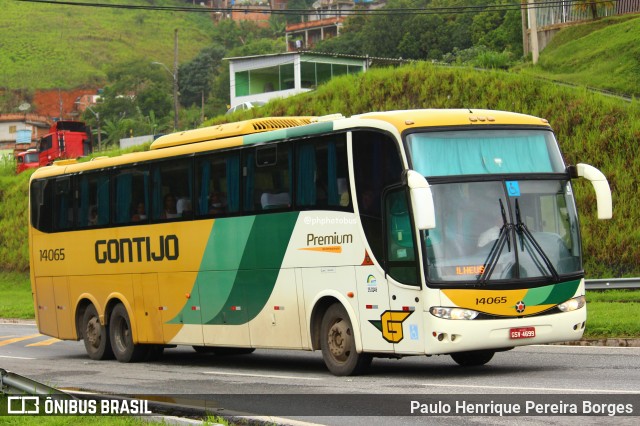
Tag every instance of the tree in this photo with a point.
(297, 5)
(195, 77)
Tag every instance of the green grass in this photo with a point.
(58, 46)
(15, 296)
(617, 320)
(74, 420)
(613, 313)
(602, 54)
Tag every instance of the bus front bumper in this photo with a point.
(446, 336)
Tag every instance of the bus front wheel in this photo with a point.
(95, 335)
(338, 344)
(472, 358)
(121, 338)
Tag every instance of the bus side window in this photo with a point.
(131, 195)
(401, 256)
(322, 176)
(93, 200)
(267, 178)
(42, 205)
(218, 185)
(377, 165)
(63, 204)
(172, 190)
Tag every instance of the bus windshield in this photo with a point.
(484, 151)
(498, 231)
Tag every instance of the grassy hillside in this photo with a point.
(56, 46)
(604, 54)
(591, 128)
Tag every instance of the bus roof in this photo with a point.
(228, 130)
(451, 117)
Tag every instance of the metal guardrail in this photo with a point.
(11, 383)
(612, 283)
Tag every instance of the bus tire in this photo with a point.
(95, 335)
(122, 339)
(338, 344)
(472, 358)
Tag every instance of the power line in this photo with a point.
(452, 10)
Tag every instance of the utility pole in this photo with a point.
(533, 31)
(525, 27)
(175, 79)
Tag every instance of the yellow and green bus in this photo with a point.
(385, 234)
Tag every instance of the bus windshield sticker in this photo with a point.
(513, 188)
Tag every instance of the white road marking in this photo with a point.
(581, 346)
(262, 375)
(511, 388)
(15, 357)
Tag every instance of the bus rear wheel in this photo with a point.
(338, 344)
(472, 358)
(122, 339)
(95, 335)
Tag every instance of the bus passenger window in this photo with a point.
(322, 177)
(171, 193)
(42, 205)
(218, 185)
(376, 165)
(267, 178)
(63, 210)
(131, 195)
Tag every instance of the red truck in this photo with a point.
(66, 139)
(29, 159)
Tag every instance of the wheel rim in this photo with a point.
(93, 332)
(340, 341)
(122, 335)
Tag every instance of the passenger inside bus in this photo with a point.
(140, 213)
(170, 211)
(217, 204)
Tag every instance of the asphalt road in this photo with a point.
(296, 384)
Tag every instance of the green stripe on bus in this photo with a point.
(551, 295)
(239, 269)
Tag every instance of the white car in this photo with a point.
(246, 105)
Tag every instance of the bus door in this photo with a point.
(373, 303)
(402, 323)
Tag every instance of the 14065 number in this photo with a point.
(491, 300)
(51, 255)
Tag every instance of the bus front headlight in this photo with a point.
(572, 304)
(453, 313)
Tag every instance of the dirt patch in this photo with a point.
(59, 104)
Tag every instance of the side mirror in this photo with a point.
(600, 185)
(421, 200)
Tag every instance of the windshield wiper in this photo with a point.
(496, 249)
(523, 232)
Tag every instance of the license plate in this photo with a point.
(522, 333)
